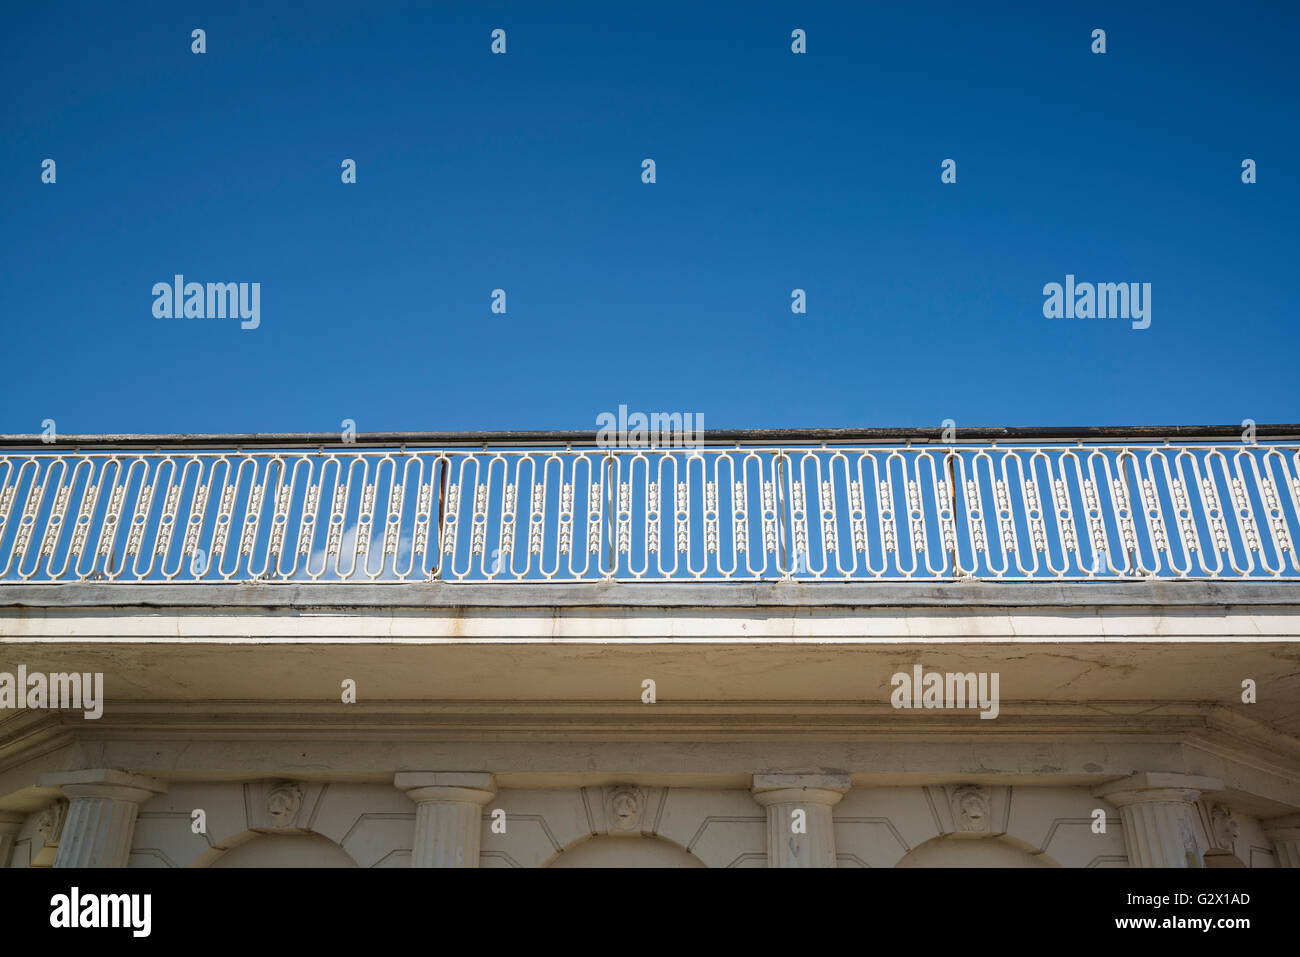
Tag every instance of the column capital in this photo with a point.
(103, 804)
(800, 823)
(1157, 787)
(108, 783)
(824, 788)
(448, 815)
(1285, 828)
(471, 787)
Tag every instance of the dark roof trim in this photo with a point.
(712, 437)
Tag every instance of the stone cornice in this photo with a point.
(614, 720)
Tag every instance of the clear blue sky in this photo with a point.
(523, 171)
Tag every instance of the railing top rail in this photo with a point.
(713, 437)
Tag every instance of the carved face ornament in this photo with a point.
(625, 808)
(970, 807)
(972, 811)
(282, 804)
(50, 822)
(1226, 827)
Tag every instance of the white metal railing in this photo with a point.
(822, 512)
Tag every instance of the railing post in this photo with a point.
(1133, 552)
(608, 526)
(782, 565)
(952, 507)
(445, 466)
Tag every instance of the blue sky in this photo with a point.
(775, 171)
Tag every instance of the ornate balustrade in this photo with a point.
(851, 507)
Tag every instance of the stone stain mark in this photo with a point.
(455, 623)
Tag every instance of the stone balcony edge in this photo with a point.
(1045, 594)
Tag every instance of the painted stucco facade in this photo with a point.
(513, 726)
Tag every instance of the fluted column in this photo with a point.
(794, 839)
(1157, 811)
(1284, 832)
(448, 815)
(102, 808)
(11, 823)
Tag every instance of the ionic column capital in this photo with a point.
(456, 787)
(107, 783)
(816, 788)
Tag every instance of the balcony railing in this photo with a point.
(808, 506)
